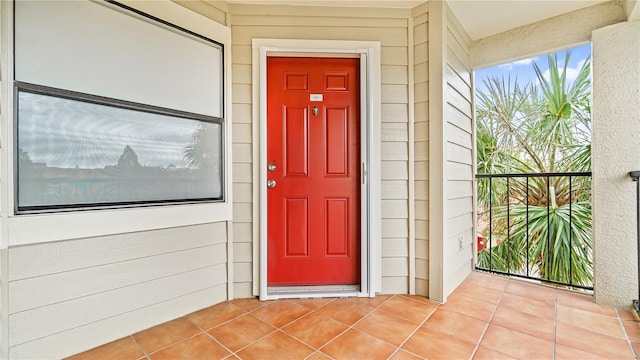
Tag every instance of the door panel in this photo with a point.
(296, 141)
(337, 225)
(313, 145)
(337, 135)
(297, 217)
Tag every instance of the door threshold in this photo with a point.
(313, 291)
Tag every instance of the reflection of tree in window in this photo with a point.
(200, 154)
(129, 158)
(24, 160)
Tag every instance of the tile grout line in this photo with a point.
(315, 310)
(349, 327)
(144, 352)
(276, 329)
(352, 326)
(626, 335)
(413, 333)
(555, 326)
(232, 353)
(475, 350)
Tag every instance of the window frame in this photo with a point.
(24, 227)
(21, 87)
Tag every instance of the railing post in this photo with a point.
(635, 175)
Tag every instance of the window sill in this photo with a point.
(39, 228)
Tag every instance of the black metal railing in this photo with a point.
(635, 176)
(536, 226)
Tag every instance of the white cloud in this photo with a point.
(572, 72)
(509, 66)
(522, 62)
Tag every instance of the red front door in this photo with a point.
(313, 155)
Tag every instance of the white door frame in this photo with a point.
(369, 54)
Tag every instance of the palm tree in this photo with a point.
(544, 128)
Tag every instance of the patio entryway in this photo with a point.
(486, 317)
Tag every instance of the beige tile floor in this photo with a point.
(487, 317)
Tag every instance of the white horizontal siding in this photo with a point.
(79, 339)
(457, 153)
(31, 261)
(421, 147)
(458, 171)
(103, 283)
(459, 189)
(243, 162)
(394, 209)
(395, 285)
(33, 324)
(394, 131)
(395, 247)
(394, 150)
(394, 190)
(458, 275)
(47, 290)
(294, 12)
(394, 113)
(459, 206)
(242, 35)
(458, 224)
(458, 156)
(461, 120)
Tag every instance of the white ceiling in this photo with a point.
(480, 18)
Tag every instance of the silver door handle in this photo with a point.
(271, 183)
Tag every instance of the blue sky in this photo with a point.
(523, 69)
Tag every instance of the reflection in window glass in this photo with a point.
(77, 154)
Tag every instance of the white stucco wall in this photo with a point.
(632, 10)
(616, 151)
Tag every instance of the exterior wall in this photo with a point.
(451, 152)
(58, 298)
(390, 26)
(421, 147)
(615, 147)
(66, 297)
(459, 149)
(632, 10)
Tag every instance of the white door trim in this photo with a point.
(369, 53)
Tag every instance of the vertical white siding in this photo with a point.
(421, 147)
(69, 296)
(389, 26)
(459, 152)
